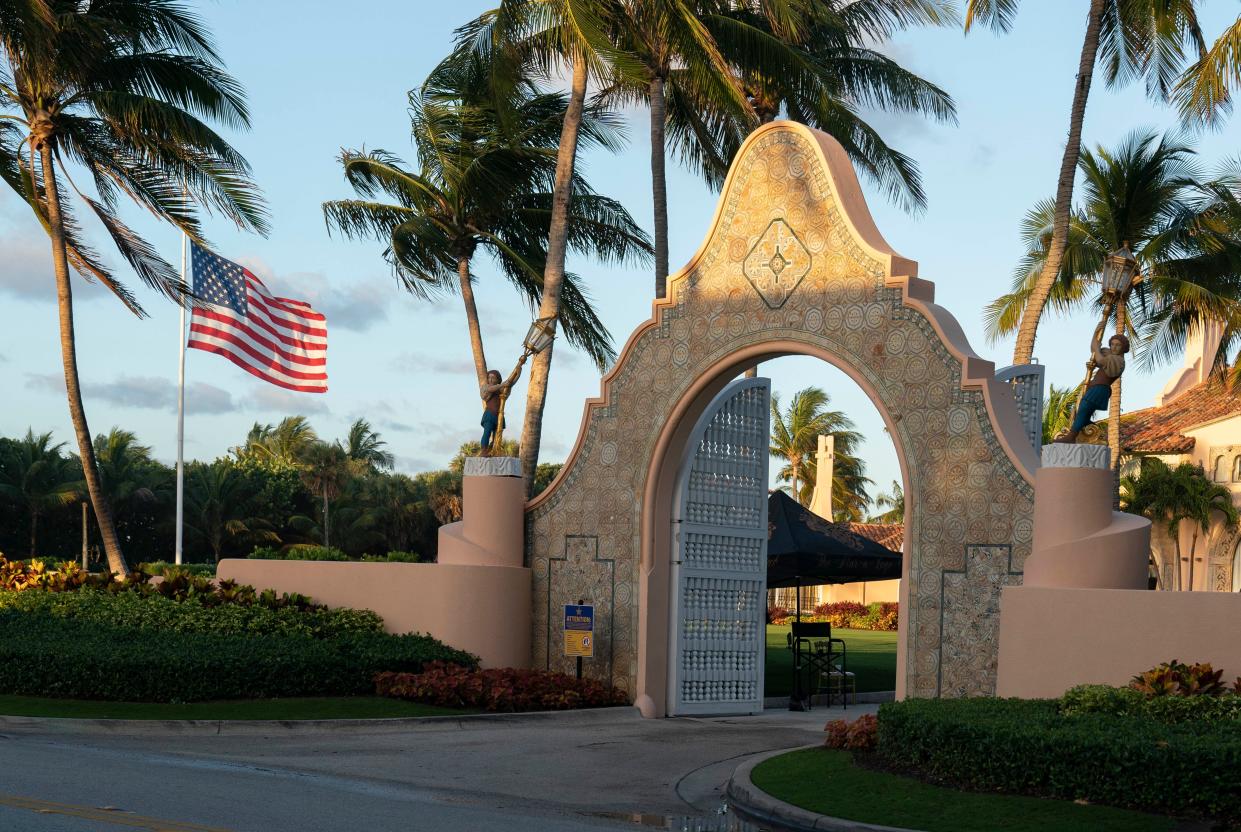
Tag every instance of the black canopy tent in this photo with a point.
(805, 549)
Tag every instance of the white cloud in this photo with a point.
(355, 305)
(143, 392)
(286, 402)
(422, 362)
(26, 270)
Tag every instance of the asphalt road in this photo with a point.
(603, 770)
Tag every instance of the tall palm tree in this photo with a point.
(794, 439)
(1203, 500)
(35, 475)
(120, 89)
(1133, 39)
(894, 502)
(325, 471)
(487, 168)
(518, 38)
(133, 483)
(1204, 93)
(363, 445)
(1183, 227)
(817, 67)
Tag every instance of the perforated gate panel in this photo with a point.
(720, 561)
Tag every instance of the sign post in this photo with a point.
(579, 633)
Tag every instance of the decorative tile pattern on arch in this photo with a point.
(966, 487)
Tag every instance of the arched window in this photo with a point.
(1236, 468)
(1219, 473)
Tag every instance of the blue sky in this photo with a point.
(318, 82)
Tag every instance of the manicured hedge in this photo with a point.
(1030, 747)
(44, 655)
(1105, 699)
(329, 554)
(849, 615)
(502, 689)
(132, 610)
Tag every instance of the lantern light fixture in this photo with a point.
(1119, 270)
(540, 335)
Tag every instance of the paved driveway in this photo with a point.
(579, 771)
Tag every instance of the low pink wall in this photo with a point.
(482, 609)
(1054, 638)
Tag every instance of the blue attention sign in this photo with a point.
(579, 630)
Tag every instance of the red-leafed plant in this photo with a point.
(1179, 679)
(859, 735)
(504, 689)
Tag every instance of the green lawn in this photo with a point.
(827, 782)
(872, 659)
(340, 707)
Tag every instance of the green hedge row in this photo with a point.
(1030, 747)
(328, 554)
(131, 610)
(42, 655)
(1105, 699)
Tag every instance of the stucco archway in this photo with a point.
(793, 264)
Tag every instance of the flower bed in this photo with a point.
(498, 689)
(849, 615)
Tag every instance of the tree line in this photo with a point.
(281, 486)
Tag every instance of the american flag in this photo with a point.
(279, 340)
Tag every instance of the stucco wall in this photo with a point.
(1053, 639)
(601, 530)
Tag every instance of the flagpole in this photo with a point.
(181, 418)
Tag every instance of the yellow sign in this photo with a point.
(579, 630)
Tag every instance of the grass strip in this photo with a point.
(828, 782)
(872, 659)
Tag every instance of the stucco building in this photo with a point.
(1195, 419)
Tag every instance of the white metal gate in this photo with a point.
(719, 570)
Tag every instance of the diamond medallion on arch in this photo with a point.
(776, 263)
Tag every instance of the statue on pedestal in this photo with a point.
(1108, 363)
(493, 394)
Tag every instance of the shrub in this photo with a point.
(850, 615)
(1104, 699)
(131, 610)
(858, 735)
(777, 615)
(299, 553)
(42, 655)
(160, 567)
(393, 557)
(498, 689)
(1177, 679)
(1029, 747)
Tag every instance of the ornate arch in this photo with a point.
(793, 263)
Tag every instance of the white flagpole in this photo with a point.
(181, 418)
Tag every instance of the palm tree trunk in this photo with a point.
(793, 465)
(34, 531)
(553, 271)
(69, 358)
(1024, 350)
(659, 183)
(1193, 550)
(471, 319)
(1176, 535)
(326, 521)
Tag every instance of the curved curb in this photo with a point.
(751, 802)
(253, 727)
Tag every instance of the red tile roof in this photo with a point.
(1160, 430)
(888, 535)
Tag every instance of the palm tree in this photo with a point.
(35, 475)
(325, 471)
(794, 438)
(131, 480)
(894, 502)
(286, 442)
(1173, 495)
(486, 171)
(1146, 39)
(363, 445)
(1203, 500)
(120, 88)
(1204, 93)
(1184, 229)
(218, 507)
(817, 67)
(1058, 410)
(518, 38)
